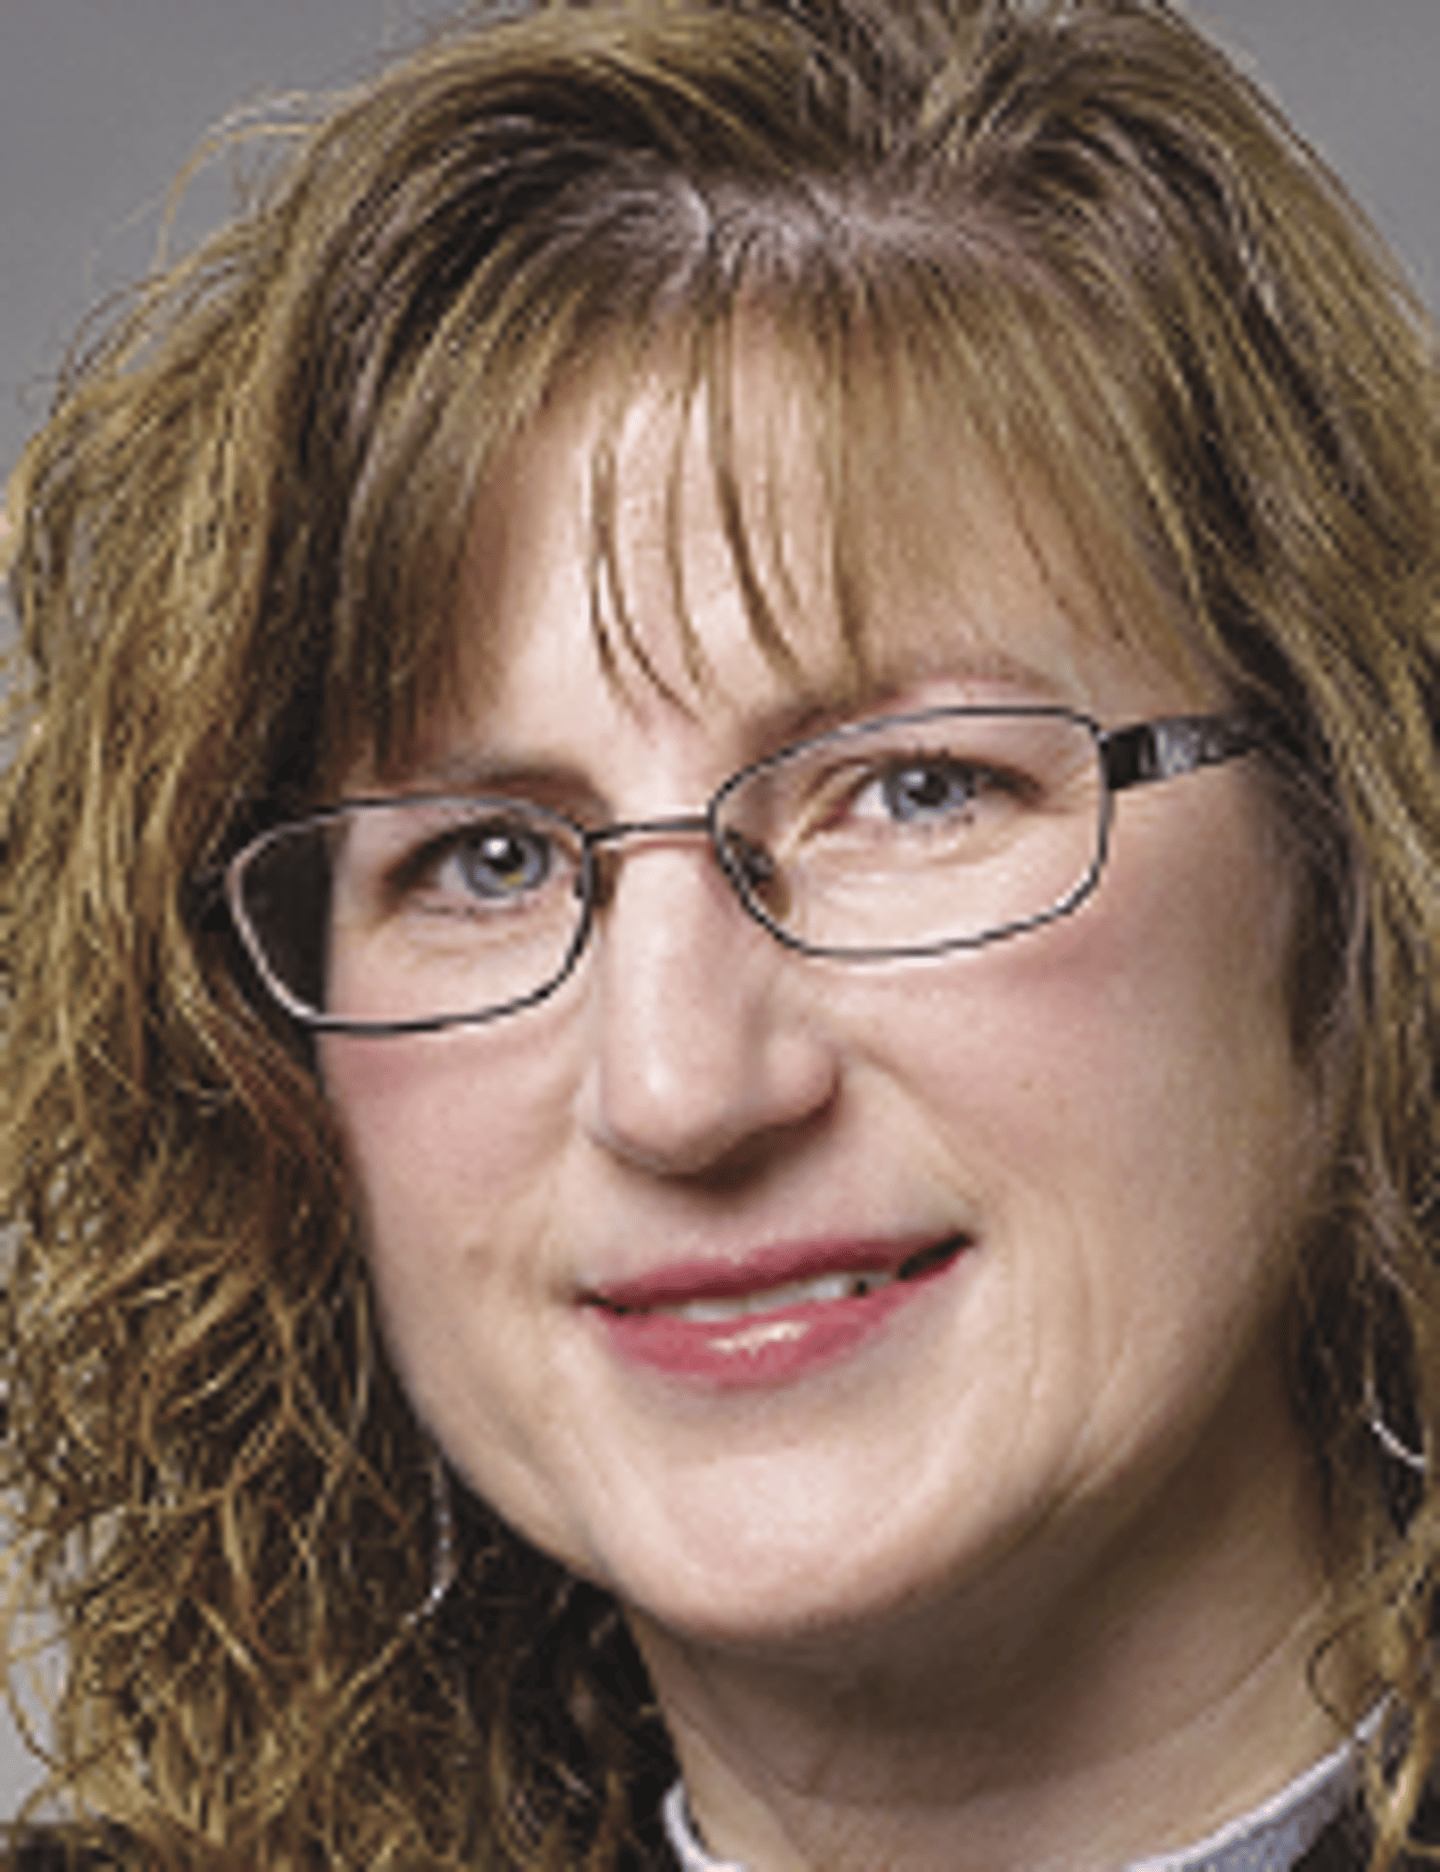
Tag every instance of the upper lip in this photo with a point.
(681, 1282)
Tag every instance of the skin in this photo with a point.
(1031, 1578)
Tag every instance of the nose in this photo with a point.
(704, 1047)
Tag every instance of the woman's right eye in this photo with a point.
(503, 861)
(488, 863)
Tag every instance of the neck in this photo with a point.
(1164, 1692)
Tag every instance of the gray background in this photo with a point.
(101, 101)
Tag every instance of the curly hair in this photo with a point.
(1071, 227)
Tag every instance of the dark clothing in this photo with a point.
(1344, 1846)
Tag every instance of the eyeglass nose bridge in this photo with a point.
(668, 825)
(596, 882)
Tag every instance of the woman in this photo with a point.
(723, 898)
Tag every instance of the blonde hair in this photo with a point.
(234, 547)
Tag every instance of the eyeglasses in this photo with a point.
(882, 841)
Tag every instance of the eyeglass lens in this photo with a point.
(904, 836)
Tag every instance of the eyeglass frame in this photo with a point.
(1137, 754)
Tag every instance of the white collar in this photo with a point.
(1270, 1838)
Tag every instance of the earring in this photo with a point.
(444, 1563)
(1392, 1445)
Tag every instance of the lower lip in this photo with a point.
(761, 1350)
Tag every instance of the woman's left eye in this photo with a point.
(914, 791)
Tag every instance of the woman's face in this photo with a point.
(1102, 1117)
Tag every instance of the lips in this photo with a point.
(771, 1317)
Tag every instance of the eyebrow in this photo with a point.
(886, 687)
(808, 710)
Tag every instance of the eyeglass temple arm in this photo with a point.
(1158, 750)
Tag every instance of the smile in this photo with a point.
(710, 1328)
(817, 1292)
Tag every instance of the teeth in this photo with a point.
(817, 1292)
(824, 1287)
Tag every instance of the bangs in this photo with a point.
(858, 385)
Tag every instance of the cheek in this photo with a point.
(1123, 1086)
(1122, 1100)
(446, 1119)
(1146, 1015)
(453, 1140)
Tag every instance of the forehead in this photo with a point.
(727, 558)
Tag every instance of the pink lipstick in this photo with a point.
(771, 1318)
